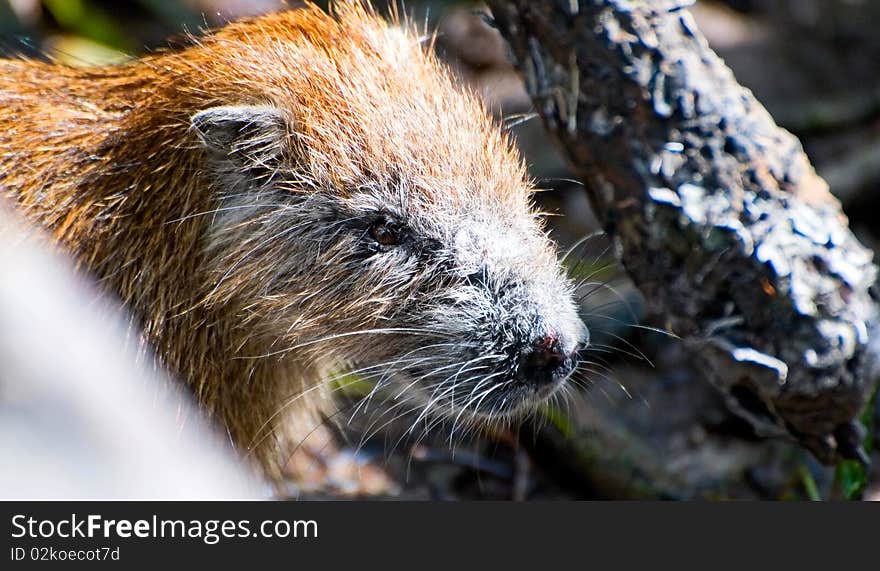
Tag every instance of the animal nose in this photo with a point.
(547, 361)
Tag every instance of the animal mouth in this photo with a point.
(486, 386)
(508, 396)
(526, 395)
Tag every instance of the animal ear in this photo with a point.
(251, 135)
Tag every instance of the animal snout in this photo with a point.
(547, 361)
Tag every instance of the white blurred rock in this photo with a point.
(81, 416)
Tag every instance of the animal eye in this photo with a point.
(385, 233)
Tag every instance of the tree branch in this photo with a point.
(716, 213)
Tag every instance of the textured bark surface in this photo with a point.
(716, 213)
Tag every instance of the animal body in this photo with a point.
(292, 196)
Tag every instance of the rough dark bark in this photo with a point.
(716, 213)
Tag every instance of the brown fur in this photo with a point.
(107, 160)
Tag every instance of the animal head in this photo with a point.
(370, 211)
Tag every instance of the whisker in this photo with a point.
(381, 331)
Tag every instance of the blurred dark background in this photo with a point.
(815, 64)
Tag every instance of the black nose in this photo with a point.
(546, 361)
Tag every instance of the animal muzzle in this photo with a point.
(546, 362)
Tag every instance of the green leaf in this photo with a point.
(353, 386)
(852, 479)
(809, 483)
(559, 420)
(84, 19)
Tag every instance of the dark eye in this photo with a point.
(385, 233)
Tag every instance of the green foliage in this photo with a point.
(809, 484)
(353, 386)
(173, 13)
(86, 20)
(558, 419)
(602, 270)
(851, 477)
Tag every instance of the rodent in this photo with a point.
(291, 195)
